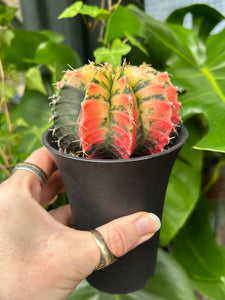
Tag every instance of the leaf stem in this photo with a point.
(213, 82)
(215, 175)
(110, 5)
(6, 162)
(102, 3)
(101, 31)
(5, 170)
(4, 99)
(4, 157)
(85, 20)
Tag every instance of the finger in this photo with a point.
(44, 160)
(126, 233)
(121, 236)
(30, 181)
(52, 188)
(63, 214)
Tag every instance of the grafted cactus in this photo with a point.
(99, 113)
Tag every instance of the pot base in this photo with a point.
(101, 190)
(123, 276)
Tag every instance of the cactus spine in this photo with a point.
(104, 114)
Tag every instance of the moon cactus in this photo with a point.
(98, 113)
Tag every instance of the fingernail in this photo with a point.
(148, 224)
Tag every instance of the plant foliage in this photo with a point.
(29, 63)
(196, 59)
(191, 259)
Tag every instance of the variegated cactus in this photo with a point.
(98, 113)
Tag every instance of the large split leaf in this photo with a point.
(214, 290)
(204, 18)
(205, 86)
(196, 249)
(199, 70)
(183, 189)
(166, 275)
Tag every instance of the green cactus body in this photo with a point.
(131, 112)
(66, 107)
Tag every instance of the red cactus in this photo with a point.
(134, 110)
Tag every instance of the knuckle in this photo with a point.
(116, 241)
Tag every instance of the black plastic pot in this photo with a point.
(100, 190)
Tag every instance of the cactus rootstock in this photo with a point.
(98, 113)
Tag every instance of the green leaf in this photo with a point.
(197, 70)
(183, 188)
(6, 36)
(10, 140)
(213, 290)
(168, 270)
(166, 275)
(205, 92)
(121, 23)
(33, 81)
(113, 55)
(72, 10)
(10, 91)
(25, 43)
(32, 138)
(53, 36)
(34, 110)
(136, 43)
(56, 57)
(180, 40)
(157, 55)
(204, 18)
(20, 122)
(196, 249)
(80, 8)
(6, 14)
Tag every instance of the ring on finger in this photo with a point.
(32, 168)
(106, 256)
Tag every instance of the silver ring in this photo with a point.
(106, 256)
(32, 168)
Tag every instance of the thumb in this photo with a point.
(126, 233)
(79, 253)
(121, 235)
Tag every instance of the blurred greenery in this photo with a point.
(166, 274)
(189, 256)
(30, 63)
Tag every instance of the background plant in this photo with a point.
(29, 63)
(189, 257)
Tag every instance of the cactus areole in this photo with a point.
(98, 113)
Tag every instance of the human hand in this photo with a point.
(41, 257)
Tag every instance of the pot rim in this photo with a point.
(181, 139)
